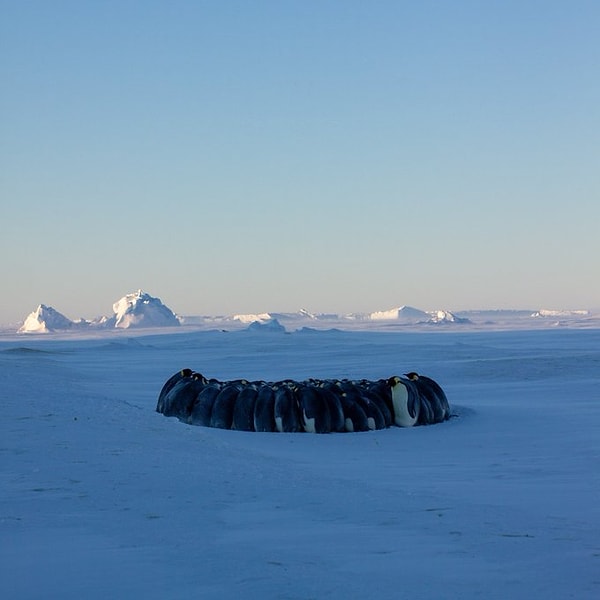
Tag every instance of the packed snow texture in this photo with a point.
(102, 497)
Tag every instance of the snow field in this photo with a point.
(103, 497)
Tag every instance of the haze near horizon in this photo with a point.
(233, 158)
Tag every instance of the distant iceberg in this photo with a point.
(45, 319)
(271, 326)
(410, 315)
(445, 316)
(402, 313)
(140, 309)
(560, 313)
(252, 318)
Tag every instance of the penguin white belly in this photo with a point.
(402, 417)
(309, 424)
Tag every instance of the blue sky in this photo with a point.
(336, 156)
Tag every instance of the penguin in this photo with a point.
(264, 409)
(286, 414)
(336, 412)
(313, 405)
(405, 400)
(380, 403)
(222, 410)
(314, 411)
(181, 397)
(427, 416)
(333, 391)
(381, 389)
(440, 392)
(355, 418)
(434, 394)
(375, 419)
(243, 412)
(203, 405)
(166, 388)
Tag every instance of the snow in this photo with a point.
(102, 497)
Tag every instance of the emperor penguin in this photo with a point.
(222, 411)
(169, 384)
(314, 410)
(243, 411)
(405, 400)
(434, 394)
(180, 399)
(203, 405)
(286, 409)
(264, 409)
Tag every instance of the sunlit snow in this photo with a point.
(102, 497)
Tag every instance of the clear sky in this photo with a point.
(336, 156)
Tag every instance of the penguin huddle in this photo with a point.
(313, 406)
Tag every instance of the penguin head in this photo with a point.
(199, 377)
(412, 376)
(392, 381)
(186, 372)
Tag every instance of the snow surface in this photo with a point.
(102, 497)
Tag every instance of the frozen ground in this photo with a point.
(104, 498)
